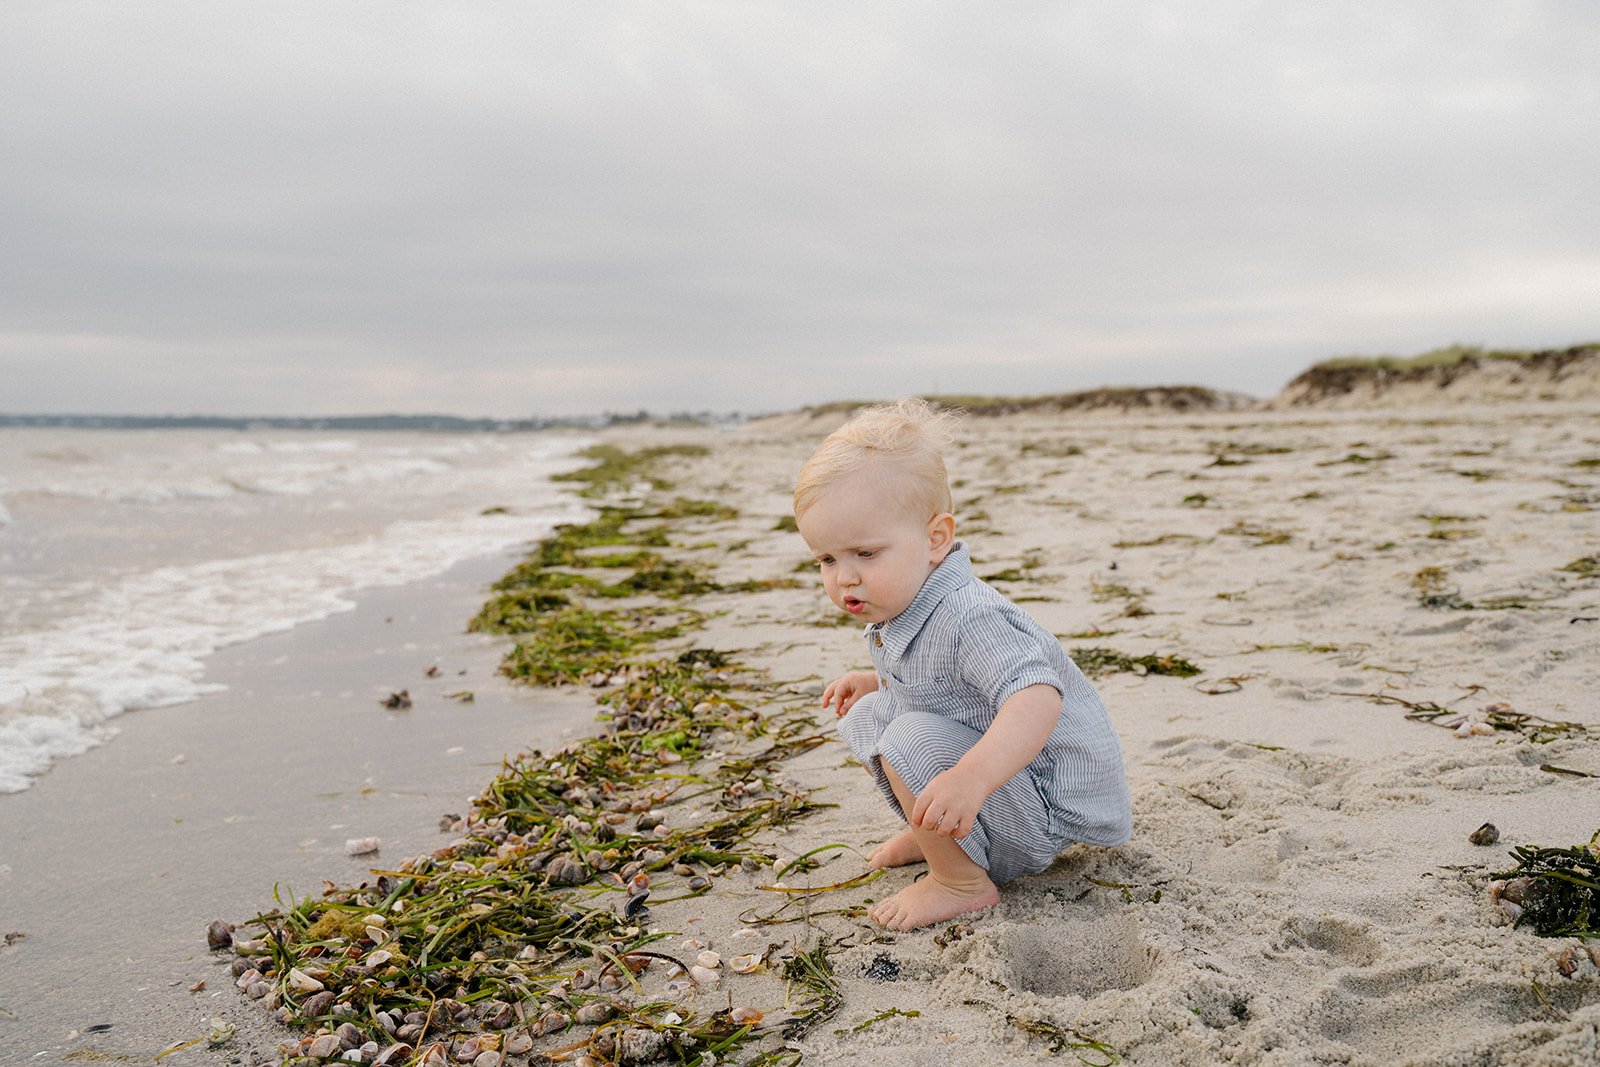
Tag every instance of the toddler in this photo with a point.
(979, 730)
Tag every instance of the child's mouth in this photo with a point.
(854, 606)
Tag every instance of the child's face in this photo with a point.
(873, 555)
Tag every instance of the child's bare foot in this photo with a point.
(898, 851)
(930, 901)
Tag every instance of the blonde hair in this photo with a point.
(901, 440)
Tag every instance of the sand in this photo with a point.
(1299, 888)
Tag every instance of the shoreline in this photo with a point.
(116, 859)
(1299, 883)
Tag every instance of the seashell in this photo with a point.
(649, 820)
(250, 947)
(663, 830)
(368, 1051)
(636, 905)
(638, 1045)
(699, 883)
(239, 966)
(488, 1058)
(468, 1050)
(703, 975)
(1512, 911)
(745, 1016)
(219, 934)
(251, 975)
(563, 870)
(650, 857)
(1524, 890)
(323, 1047)
(316, 1005)
(497, 1015)
(435, 1055)
(709, 959)
(1495, 888)
(676, 988)
(257, 989)
(518, 1043)
(409, 1032)
(361, 846)
(744, 964)
(684, 870)
(745, 933)
(379, 958)
(349, 1036)
(610, 982)
(639, 882)
(583, 1059)
(1487, 834)
(1482, 729)
(377, 934)
(302, 982)
(388, 1021)
(549, 1023)
(593, 1013)
(668, 756)
(397, 1053)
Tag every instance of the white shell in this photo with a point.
(1464, 730)
(1482, 729)
(745, 964)
(303, 982)
(703, 975)
(709, 959)
(361, 846)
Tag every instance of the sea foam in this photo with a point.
(138, 639)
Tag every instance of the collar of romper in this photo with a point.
(897, 634)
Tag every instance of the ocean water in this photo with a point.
(127, 556)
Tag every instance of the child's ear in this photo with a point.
(941, 536)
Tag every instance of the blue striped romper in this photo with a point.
(945, 665)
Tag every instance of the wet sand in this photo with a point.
(113, 863)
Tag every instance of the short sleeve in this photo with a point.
(998, 657)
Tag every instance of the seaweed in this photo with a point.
(614, 468)
(1558, 889)
(1584, 567)
(489, 937)
(1099, 661)
(1262, 535)
(1537, 729)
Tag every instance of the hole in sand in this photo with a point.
(1079, 958)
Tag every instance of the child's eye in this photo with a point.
(867, 553)
(825, 560)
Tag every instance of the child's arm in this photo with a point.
(949, 805)
(849, 688)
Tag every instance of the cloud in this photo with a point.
(514, 209)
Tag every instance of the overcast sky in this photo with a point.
(530, 208)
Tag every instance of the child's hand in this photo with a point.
(846, 689)
(949, 805)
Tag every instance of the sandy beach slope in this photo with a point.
(1300, 888)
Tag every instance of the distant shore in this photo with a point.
(1462, 374)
